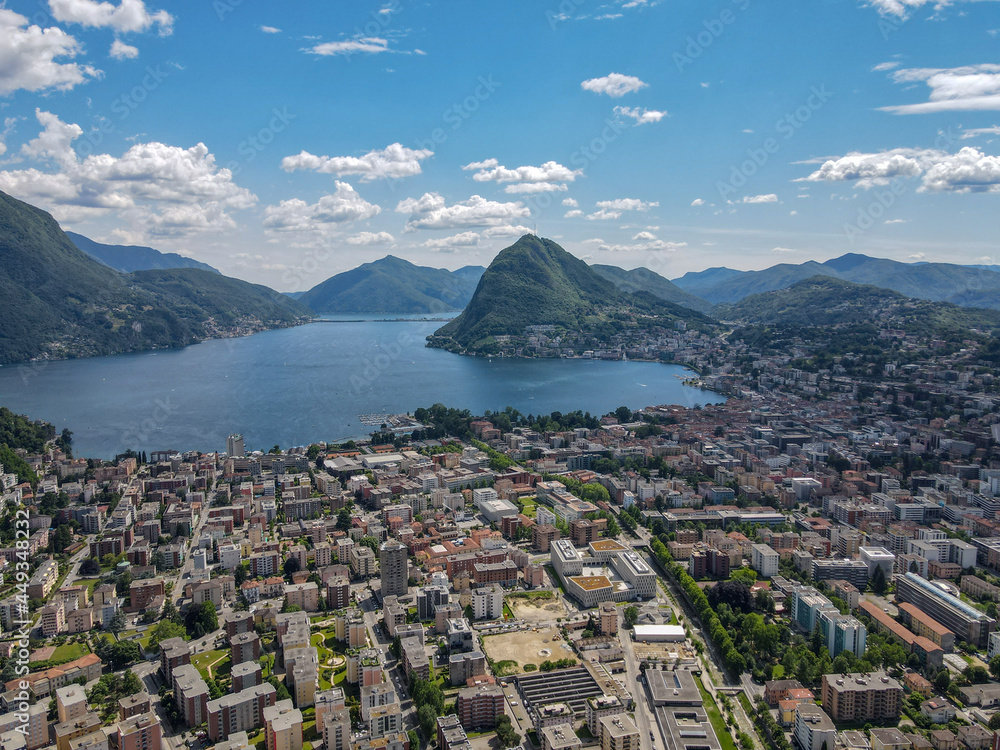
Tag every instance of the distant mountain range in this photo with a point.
(644, 280)
(129, 258)
(57, 301)
(967, 286)
(394, 285)
(536, 282)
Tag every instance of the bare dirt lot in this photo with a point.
(537, 610)
(527, 647)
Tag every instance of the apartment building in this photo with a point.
(861, 696)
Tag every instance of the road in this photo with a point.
(644, 718)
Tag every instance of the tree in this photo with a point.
(427, 719)
(291, 567)
(90, 567)
(735, 594)
(746, 576)
(631, 615)
(163, 630)
(117, 623)
(976, 674)
(344, 520)
(201, 619)
(942, 681)
(505, 732)
(878, 583)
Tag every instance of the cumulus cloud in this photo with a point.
(128, 16)
(507, 230)
(445, 244)
(394, 161)
(698, 202)
(370, 238)
(968, 171)
(613, 209)
(752, 199)
(430, 211)
(645, 246)
(549, 177)
(614, 85)
(344, 205)
(573, 213)
(270, 30)
(963, 89)
(155, 188)
(571, 202)
(28, 57)
(122, 51)
(642, 116)
(366, 45)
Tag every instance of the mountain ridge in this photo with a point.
(129, 258)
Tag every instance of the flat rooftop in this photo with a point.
(607, 545)
(590, 583)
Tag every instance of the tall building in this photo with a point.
(764, 560)
(140, 732)
(393, 558)
(234, 446)
(283, 726)
(861, 697)
(967, 622)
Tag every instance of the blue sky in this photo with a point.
(283, 143)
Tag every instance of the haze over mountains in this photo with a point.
(129, 258)
(968, 286)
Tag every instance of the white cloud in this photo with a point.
(507, 230)
(885, 66)
(370, 238)
(698, 202)
(608, 16)
(641, 117)
(368, 44)
(644, 236)
(573, 213)
(872, 168)
(653, 245)
(270, 30)
(28, 57)
(154, 187)
(968, 171)
(628, 204)
(571, 202)
(783, 250)
(547, 178)
(917, 256)
(976, 132)
(122, 51)
(614, 85)
(901, 9)
(444, 244)
(128, 16)
(752, 199)
(394, 161)
(964, 89)
(895, 221)
(344, 205)
(430, 211)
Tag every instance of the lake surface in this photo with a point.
(298, 385)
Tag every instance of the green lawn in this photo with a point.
(715, 717)
(69, 652)
(90, 583)
(202, 660)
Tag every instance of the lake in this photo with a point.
(298, 385)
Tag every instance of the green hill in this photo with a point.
(822, 301)
(56, 301)
(129, 258)
(393, 285)
(644, 280)
(967, 286)
(535, 282)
